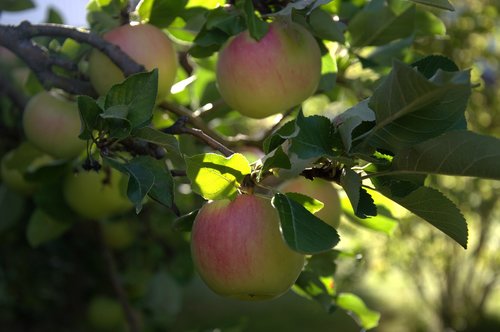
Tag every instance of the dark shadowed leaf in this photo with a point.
(90, 115)
(410, 109)
(377, 24)
(435, 208)
(11, 208)
(441, 4)
(462, 153)
(315, 137)
(362, 203)
(429, 65)
(303, 232)
(152, 135)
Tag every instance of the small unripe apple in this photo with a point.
(269, 76)
(118, 234)
(52, 123)
(321, 190)
(144, 43)
(106, 314)
(239, 252)
(96, 196)
(13, 177)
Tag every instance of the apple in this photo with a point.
(18, 161)
(52, 123)
(92, 195)
(118, 234)
(144, 43)
(269, 76)
(106, 314)
(321, 190)
(239, 252)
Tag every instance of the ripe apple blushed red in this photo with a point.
(269, 76)
(239, 252)
(144, 43)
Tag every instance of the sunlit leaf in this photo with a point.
(215, 177)
(365, 317)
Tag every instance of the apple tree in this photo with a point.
(169, 138)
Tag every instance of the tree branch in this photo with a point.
(179, 127)
(18, 39)
(116, 284)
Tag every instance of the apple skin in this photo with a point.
(261, 78)
(145, 44)
(88, 195)
(239, 252)
(321, 190)
(52, 124)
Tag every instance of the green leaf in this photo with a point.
(410, 109)
(154, 136)
(138, 93)
(279, 136)
(428, 24)
(147, 176)
(366, 317)
(303, 232)
(185, 223)
(116, 119)
(382, 222)
(432, 206)
(310, 286)
(461, 153)
(275, 159)
(315, 137)
(310, 204)
(257, 27)
(11, 208)
(90, 115)
(160, 13)
(351, 119)
(323, 264)
(16, 5)
(42, 228)
(324, 27)
(441, 4)
(362, 203)
(53, 16)
(105, 15)
(328, 73)
(378, 25)
(429, 65)
(215, 177)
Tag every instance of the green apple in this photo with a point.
(96, 196)
(106, 314)
(269, 76)
(118, 234)
(52, 123)
(239, 252)
(17, 162)
(321, 190)
(144, 43)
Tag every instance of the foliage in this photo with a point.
(401, 118)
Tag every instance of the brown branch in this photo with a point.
(116, 284)
(18, 98)
(179, 127)
(18, 39)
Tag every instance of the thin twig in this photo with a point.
(179, 127)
